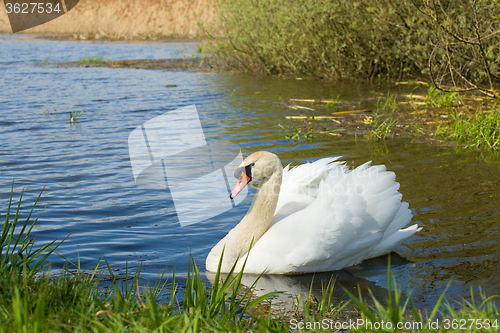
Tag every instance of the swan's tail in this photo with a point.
(387, 245)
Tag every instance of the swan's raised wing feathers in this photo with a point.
(300, 185)
(349, 217)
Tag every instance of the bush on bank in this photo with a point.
(336, 39)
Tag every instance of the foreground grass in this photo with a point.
(31, 300)
(76, 303)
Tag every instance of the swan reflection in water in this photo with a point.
(354, 279)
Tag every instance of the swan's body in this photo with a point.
(316, 217)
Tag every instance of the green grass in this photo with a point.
(75, 300)
(381, 129)
(445, 316)
(44, 61)
(440, 99)
(478, 130)
(17, 252)
(92, 60)
(32, 301)
(390, 104)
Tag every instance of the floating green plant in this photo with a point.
(297, 133)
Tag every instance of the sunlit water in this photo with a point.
(89, 187)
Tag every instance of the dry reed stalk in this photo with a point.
(128, 19)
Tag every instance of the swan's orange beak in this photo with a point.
(240, 184)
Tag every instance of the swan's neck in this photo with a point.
(256, 222)
(261, 212)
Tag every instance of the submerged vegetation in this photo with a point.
(32, 300)
(48, 110)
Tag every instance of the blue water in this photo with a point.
(89, 190)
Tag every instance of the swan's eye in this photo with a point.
(244, 170)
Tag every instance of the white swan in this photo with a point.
(324, 218)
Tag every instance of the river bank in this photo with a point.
(125, 19)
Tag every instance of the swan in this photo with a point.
(316, 217)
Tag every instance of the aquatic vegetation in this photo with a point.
(48, 110)
(415, 128)
(390, 104)
(74, 115)
(44, 61)
(478, 130)
(92, 60)
(440, 99)
(421, 115)
(381, 128)
(297, 133)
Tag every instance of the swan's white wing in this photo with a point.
(355, 214)
(300, 185)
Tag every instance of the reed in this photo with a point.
(126, 19)
(17, 252)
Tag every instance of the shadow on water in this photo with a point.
(86, 172)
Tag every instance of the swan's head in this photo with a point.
(259, 165)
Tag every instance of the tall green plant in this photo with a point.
(16, 245)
